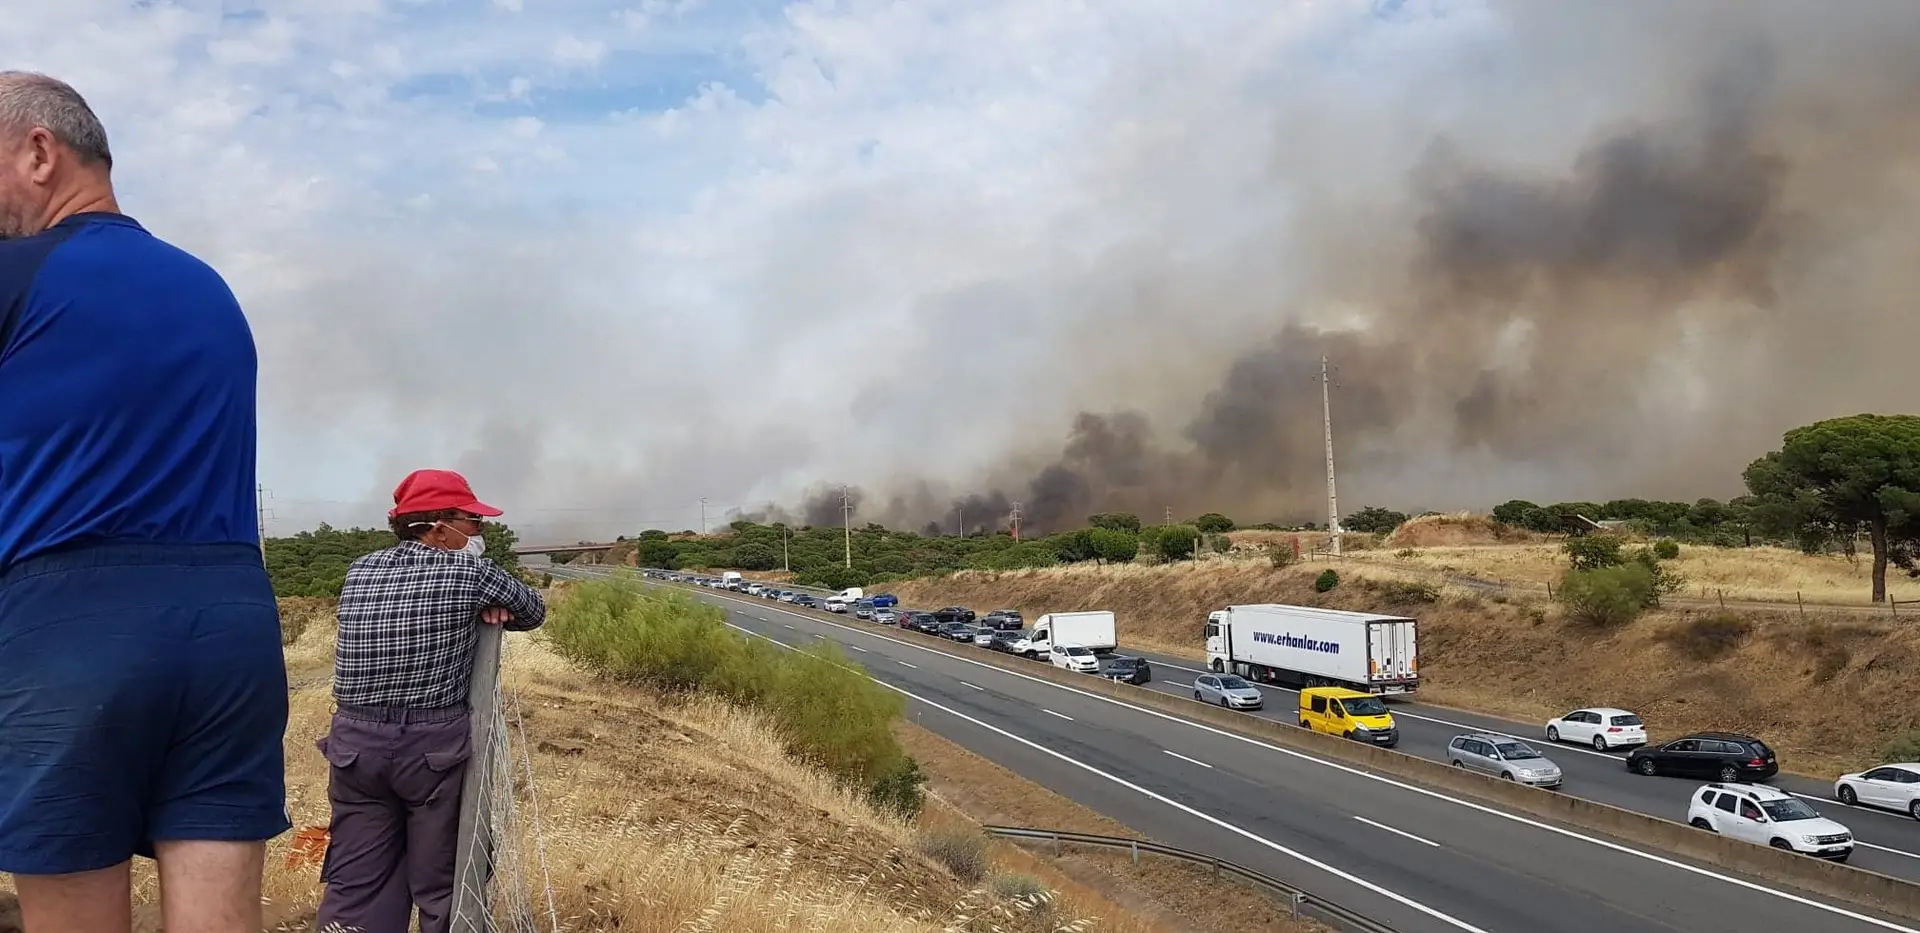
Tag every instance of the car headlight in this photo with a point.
(1810, 840)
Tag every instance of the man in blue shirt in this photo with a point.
(142, 690)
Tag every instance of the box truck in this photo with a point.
(731, 580)
(1303, 646)
(1092, 630)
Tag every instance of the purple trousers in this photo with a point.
(395, 789)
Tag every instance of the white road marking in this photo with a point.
(979, 688)
(783, 625)
(1397, 832)
(905, 664)
(1186, 759)
(1436, 795)
(1061, 715)
(1348, 877)
(858, 648)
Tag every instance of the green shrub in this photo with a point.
(1406, 553)
(1279, 555)
(1708, 638)
(1327, 580)
(1607, 597)
(901, 791)
(1902, 749)
(1018, 887)
(963, 851)
(1666, 549)
(826, 711)
(1403, 592)
(1594, 551)
(1665, 579)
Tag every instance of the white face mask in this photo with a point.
(476, 545)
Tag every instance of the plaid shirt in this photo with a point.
(409, 618)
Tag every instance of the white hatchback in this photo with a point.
(1602, 727)
(1892, 787)
(1075, 658)
(1768, 816)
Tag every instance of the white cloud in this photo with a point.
(573, 51)
(723, 253)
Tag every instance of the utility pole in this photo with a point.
(846, 518)
(960, 521)
(1016, 521)
(1169, 515)
(1326, 415)
(786, 554)
(260, 517)
(703, 514)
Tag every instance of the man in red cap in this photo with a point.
(400, 741)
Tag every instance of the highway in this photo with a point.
(1885, 841)
(1414, 858)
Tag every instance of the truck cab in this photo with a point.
(1349, 714)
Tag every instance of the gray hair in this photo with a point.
(29, 99)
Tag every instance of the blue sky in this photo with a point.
(612, 257)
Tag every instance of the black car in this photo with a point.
(1130, 669)
(805, 601)
(1723, 756)
(958, 631)
(920, 622)
(954, 614)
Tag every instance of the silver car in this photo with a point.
(1228, 690)
(1507, 758)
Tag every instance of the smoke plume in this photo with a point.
(1634, 306)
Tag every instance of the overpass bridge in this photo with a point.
(527, 550)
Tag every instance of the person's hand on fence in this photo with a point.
(495, 615)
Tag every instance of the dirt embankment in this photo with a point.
(1829, 692)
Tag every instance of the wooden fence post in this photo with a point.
(473, 861)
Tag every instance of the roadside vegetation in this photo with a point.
(666, 811)
(825, 710)
(314, 563)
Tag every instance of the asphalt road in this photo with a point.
(1885, 841)
(1416, 859)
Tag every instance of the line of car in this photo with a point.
(1734, 804)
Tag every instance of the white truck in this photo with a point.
(1092, 630)
(844, 600)
(732, 580)
(1304, 646)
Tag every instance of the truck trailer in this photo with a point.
(1093, 630)
(1304, 646)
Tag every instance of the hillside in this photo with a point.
(1798, 680)
(689, 814)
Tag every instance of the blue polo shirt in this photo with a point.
(127, 393)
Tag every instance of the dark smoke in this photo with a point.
(1641, 320)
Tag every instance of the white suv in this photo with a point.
(1768, 816)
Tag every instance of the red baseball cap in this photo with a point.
(436, 491)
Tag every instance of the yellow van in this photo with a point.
(1350, 713)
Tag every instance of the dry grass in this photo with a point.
(684, 816)
(968, 790)
(1800, 681)
(1760, 574)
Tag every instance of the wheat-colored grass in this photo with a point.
(675, 816)
(1798, 680)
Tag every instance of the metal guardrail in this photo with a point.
(1295, 898)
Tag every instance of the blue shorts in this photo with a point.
(143, 698)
